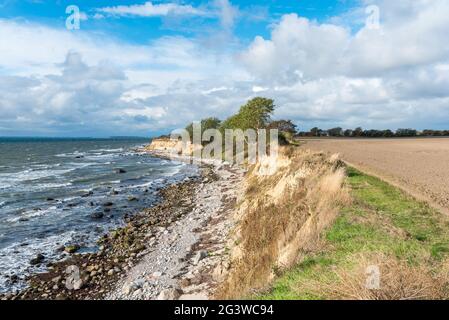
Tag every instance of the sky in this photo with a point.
(147, 67)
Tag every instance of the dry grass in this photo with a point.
(282, 216)
(397, 280)
(383, 227)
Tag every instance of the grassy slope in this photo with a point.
(381, 219)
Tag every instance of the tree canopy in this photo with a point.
(206, 124)
(255, 114)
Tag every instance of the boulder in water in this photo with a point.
(97, 215)
(37, 260)
(72, 248)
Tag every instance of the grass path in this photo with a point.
(383, 226)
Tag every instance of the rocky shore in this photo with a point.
(176, 249)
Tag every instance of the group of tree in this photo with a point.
(255, 114)
(359, 132)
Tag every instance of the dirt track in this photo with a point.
(419, 166)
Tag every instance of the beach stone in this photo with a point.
(193, 296)
(169, 294)
(37, 260)
(72, 248)
(185, 283)
(108, 204)
(199, 256)
(129, 288)
(78, 284)
(132, 198)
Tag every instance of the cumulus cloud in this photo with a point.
(327, 74)
(300, 48)
(85, 84)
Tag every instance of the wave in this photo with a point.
(100, 156)
(71, 154)
(108, 150)
(31, 175)
(15, 258)
(53, 185)
(33, 214)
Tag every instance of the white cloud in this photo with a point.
(327, 74)
(55, 81)
(298, 49)
(60, 82)
(148, 9)
(227, 13)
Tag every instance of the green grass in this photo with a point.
(382, 219)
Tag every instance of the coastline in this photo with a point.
(179, 227)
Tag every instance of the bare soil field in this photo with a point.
(418, 166)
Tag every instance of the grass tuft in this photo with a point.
(406, 239)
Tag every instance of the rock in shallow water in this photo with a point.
(97, 215)
(72, 248)
(37, 260)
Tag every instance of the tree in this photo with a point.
(255, 114)
(406, 133)
(315, 131)
(348, 133)
(285, 126)
(208, 123)
(286, 130)
(335, 132)
(358, 132)
(388, 133)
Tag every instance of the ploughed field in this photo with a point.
(419, 166)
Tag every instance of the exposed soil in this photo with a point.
(418, 166)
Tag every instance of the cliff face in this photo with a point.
(167, 145)
(281, 216)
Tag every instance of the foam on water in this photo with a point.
(80, 179)
(14, 259)
(33, 213)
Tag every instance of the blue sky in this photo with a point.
(254, 18)
(144, 68)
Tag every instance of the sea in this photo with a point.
(53, 192)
